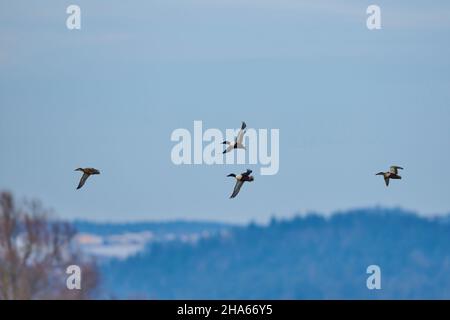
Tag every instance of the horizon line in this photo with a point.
(272, 217)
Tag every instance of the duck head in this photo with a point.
(79, 169)
(231, 175)
(380, 174)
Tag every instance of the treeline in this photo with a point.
(304, 258)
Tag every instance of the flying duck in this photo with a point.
(87, 172)
(238, 141)
(240, 179)
(392, 174)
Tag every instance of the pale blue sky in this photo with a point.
(349, 102)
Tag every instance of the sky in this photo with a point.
(349, 102)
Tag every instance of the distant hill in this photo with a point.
(308, 257)
(176, 227)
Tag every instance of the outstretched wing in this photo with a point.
(228, 149)
(394, 169)
(83, 180)
(240, 136)
(386, 180)
(237, 188)
(247, 173)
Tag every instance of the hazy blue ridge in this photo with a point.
(310, 257)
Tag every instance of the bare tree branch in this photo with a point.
(34, 254)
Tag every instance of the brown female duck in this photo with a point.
(87, 172)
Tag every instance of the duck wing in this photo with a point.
(247, 173)
(240, 136)
(228, 149)
(394, 169)
(83, 180)
(386, 180)
(237, 188)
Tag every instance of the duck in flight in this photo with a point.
(87, 172)
(240, 179)
(391, 174)
(238, 142)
